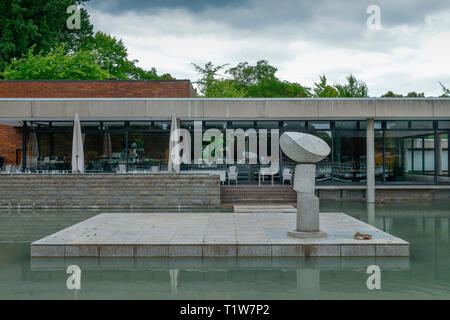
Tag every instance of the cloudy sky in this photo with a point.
(302, 38)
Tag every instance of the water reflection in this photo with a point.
(425, 275)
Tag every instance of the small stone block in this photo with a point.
(392, 251)
(254, 251)
(152, 251)
(358, 250)
(81, 251)
(47, 251)
(116, 251)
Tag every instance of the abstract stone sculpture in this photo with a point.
(305, 149)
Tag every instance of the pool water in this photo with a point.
(425, 275)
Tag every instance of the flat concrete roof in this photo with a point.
(227, 109)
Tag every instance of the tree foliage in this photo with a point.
(391, 94)
(38, 23)
(412, 94)
(56, 65)
(323, 90)
(247, 81)
(110, 54)
(354, 88)
(35, 35)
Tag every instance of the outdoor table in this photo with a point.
(263, 173)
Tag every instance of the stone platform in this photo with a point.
(214, 235)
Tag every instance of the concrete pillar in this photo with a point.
(439, 154)
(308, 284)
(173, 281)
(370, 149)
(371, 214)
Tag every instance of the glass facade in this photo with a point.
(406, 152)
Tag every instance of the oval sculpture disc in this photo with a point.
(304, 148)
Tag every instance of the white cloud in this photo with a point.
(400, 58)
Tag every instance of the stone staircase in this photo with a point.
(254, 194)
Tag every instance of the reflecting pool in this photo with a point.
(425, 275)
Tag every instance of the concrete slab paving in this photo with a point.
(215, 235)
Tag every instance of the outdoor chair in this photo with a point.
(122, 168)
(287, 175)
(154, 169)
(232, 174)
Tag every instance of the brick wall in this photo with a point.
(96, 89)
(109, 191)
(10, 140)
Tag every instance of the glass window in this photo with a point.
(114, 124)
(267, 125)
(294, 125)
(40, 124)
(62, 124)
(392, 125)
(378, 125)
(221, 125)
(422, 124)
(189, 125)
(319, 125)
(148, 149)
(345, 124)
(242, 124)
(349, 156)
(141, 125)
(407, 159)
(444, 124)
(162, 125)
(90, 125)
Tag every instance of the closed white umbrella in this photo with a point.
(174, 137)
(107, 147)
(33, 150)
(77, 147)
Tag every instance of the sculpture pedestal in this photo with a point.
(307, 203)
(303, 235)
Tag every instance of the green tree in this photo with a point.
(246, 75)
(56, 65)
(354, 88)
(110, 54)
(137, 73)
(391, 94)
(208, 78)
(260, 81)
(225, 89)
(323, 90)
(415, 95)
(38, 23)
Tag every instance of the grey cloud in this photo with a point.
(147, 6)
(269, 12)
(341, 23)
